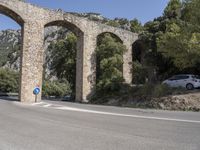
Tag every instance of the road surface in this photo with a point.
(67, 126)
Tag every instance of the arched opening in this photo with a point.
(11, 39)
(139, 72)
(109, 68)
(62, 42)
(11, 14)
(137, 51)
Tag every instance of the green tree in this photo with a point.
(181, 45)
(122, 21)
(9, 80)
(63, 59)
(136, 26)
(113, 23)
(173, 9)
(191, 11)
(109, 64)
(170, 44)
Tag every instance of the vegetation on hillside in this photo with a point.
(169, 44)
(9, 80)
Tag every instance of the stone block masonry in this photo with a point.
(34, 19)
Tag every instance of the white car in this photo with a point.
(187, 81)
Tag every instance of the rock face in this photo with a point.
(10, 46)
(52, 34)
(9, 49)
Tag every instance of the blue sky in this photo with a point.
(143, 10)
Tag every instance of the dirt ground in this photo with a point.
(186, 102)
(189, 101)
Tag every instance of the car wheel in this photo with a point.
(189, 86)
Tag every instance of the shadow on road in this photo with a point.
(9, 98)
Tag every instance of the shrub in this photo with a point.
(56, 88)
(140, 73)
(155, 90)
(142, 91)
(9, 80)
(162, 90)
(138, 94)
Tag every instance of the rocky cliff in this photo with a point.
(11, 45)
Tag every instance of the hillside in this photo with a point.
(10, 41)
(9, 49)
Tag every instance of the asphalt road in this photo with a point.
(66, 126)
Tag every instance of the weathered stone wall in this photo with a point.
(34, 19)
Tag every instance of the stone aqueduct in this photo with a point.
(34, 19)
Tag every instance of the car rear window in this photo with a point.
(181, 77)
(196, 76)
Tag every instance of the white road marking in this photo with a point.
(39, 103)
(47, 105)
(60, 107)
(125, 115)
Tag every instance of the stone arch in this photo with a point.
(79, 53)
(72, 27)
(12, 14)
(114, 35)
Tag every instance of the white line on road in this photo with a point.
(60, 107)
(47, 105)
(39, 103)
(124, 115)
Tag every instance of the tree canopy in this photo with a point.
(170, 43)
(109, 63)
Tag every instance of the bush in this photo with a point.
(140, 73)
(9, 80)
(55, 88)
(162, 90)
(109, 86)
(139, 94)
(148, 91)
(143, 92)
